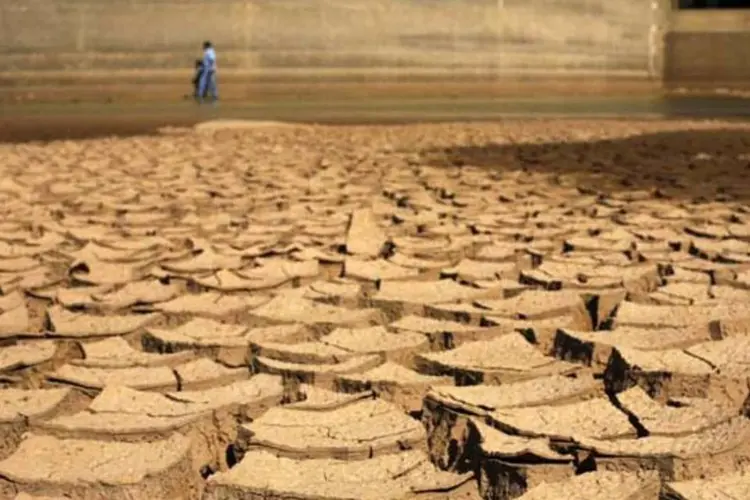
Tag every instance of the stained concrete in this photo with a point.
(260, 37)
(708, 48)
(149, 45)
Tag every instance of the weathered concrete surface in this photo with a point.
(332, 37)
(708, 48)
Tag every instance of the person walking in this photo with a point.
(207, 82)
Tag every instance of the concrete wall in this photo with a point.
(399, 36)
(708, 48)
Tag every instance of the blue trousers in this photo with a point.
(208, 83)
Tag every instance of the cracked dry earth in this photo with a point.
(374, 313)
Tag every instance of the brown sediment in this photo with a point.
(160, 378)
(227, 343)
(269, 275)
(596, 418)
(14, 317)
(85, 468)
(510, 465)
(291, 307)
(68, 324)
(472, 271)
(714, 451)
(595, 348)
(310, 397)
(531, 305)
(115, 352)
(733, 485)
(675, 316)
(508, 358)
(25, 496)
(397, 347)
(394, 383)
(314, 352)
(321, 374)
(660, 373)
(357, 431)
(204, 373)
(138, 292)
(209, 304)
(337, 293)
(209, 418)
(20, 408)
(715, 369)
(375, 270)
(403, 298)
(26, 362)
(539, 332)
(119, 398)
(444, 334)
(688, 416)
(364, 236)
(447, 410)
(570, 275)
(610, 485)
(393, 476)
(254, 278)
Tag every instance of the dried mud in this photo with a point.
(530, 309)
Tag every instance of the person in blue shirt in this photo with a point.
(207, 82)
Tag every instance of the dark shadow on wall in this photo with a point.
(689, 166)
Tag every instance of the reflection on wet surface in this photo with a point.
(55, 121)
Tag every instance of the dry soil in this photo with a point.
(533, 309)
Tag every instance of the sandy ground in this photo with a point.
(534, 309)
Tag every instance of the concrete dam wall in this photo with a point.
(319, 37)
(708, 48)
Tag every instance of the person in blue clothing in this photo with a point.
(207, 80)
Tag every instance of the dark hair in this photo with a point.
(206, 44)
